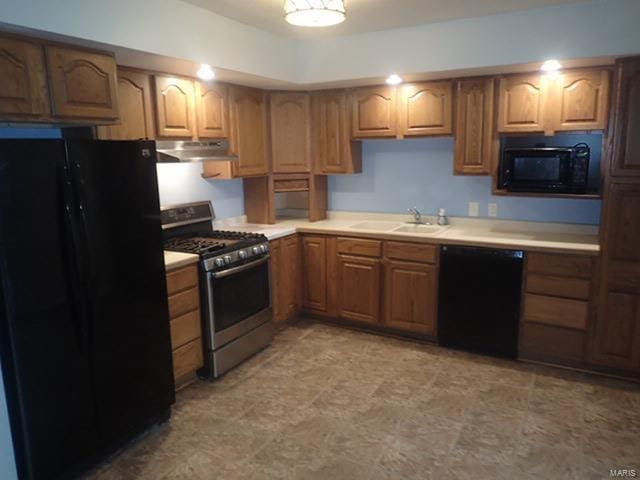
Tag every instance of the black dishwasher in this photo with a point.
(479, 299)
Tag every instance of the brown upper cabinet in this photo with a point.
(425, 109)
(175, 107)
(249, 131)
(333, 149)
(625, 155)
(575, 100)
(135, 106)
(211, 105)
(374, 112)
(83, 84)
(522, 103)
(290, 132)
(476, 141)
(23, 80)
(581, 100)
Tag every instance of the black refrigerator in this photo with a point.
(84, 329)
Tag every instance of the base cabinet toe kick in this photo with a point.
(393, 287)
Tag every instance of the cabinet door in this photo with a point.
(83, 84)
(374, 112)
(291, 284)
(617, 333)
(359, 288)
(211, 106)
(411, 297)
(581, 100)
(425, 109)
(23, 79)
(135, 106)
(248, 118)
(334, 150)
(522, 103)
(314, 256)
(475, 139)
(277, 293)
(290, 132)
(625, 159)
(175, 107)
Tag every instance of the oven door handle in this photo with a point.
(240, 268)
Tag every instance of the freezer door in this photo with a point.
(43, 334)
(129, 339)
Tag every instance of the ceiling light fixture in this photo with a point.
(314, 13)
(551, 66)
(394, 79)
(205, 72)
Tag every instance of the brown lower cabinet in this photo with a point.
(285, 277)
(387, 285)
(186, 331)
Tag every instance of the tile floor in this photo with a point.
(328, 403)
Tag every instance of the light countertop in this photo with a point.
(174, 260)
(534, 236)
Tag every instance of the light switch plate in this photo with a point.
(474, 209)
(493, 210)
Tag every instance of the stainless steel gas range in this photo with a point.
(234, 284)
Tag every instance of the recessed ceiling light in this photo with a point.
(551, 66)
(314, 13)
(205, 72)
(394, 79)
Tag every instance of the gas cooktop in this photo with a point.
(211, 243)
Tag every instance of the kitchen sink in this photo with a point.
(427, 229)
(373, 225)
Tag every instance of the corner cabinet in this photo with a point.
(135, 106)
(83, 84)
(476, 143)
(23, 80)
(249, 131)
(333, 149)
(425, 109)
(374, 112)
(290, 132)
(175, 107)
(211, 108)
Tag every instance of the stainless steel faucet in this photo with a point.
(417, 216)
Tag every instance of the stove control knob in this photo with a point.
(219, 262)
(227, 259)
(255, 250)
(263, 248)
(242, 254)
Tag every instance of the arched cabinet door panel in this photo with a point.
(522, 103)
(83, 84)
(374, 112)
(290, 132)
(175, 107)
(582, 100)
(211, 102)
(23, 79)
(426, 109)
(625, 157)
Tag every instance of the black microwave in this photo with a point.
(545, 169)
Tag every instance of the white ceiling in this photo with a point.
(368, 15)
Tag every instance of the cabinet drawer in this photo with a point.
(187, 359)
(561, 265)
(359, 246)
(558, 286)
(560, 312)
(549, 343)
(292, 185)
(183, 302)
(182, 279)
(185, 328)
(416, 252)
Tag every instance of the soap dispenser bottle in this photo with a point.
(442, 217)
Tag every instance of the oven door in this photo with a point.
(239, 300)
(536, 169)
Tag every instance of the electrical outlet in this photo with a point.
(474, 209)
(493, 210)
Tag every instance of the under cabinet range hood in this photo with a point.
(189, 151)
